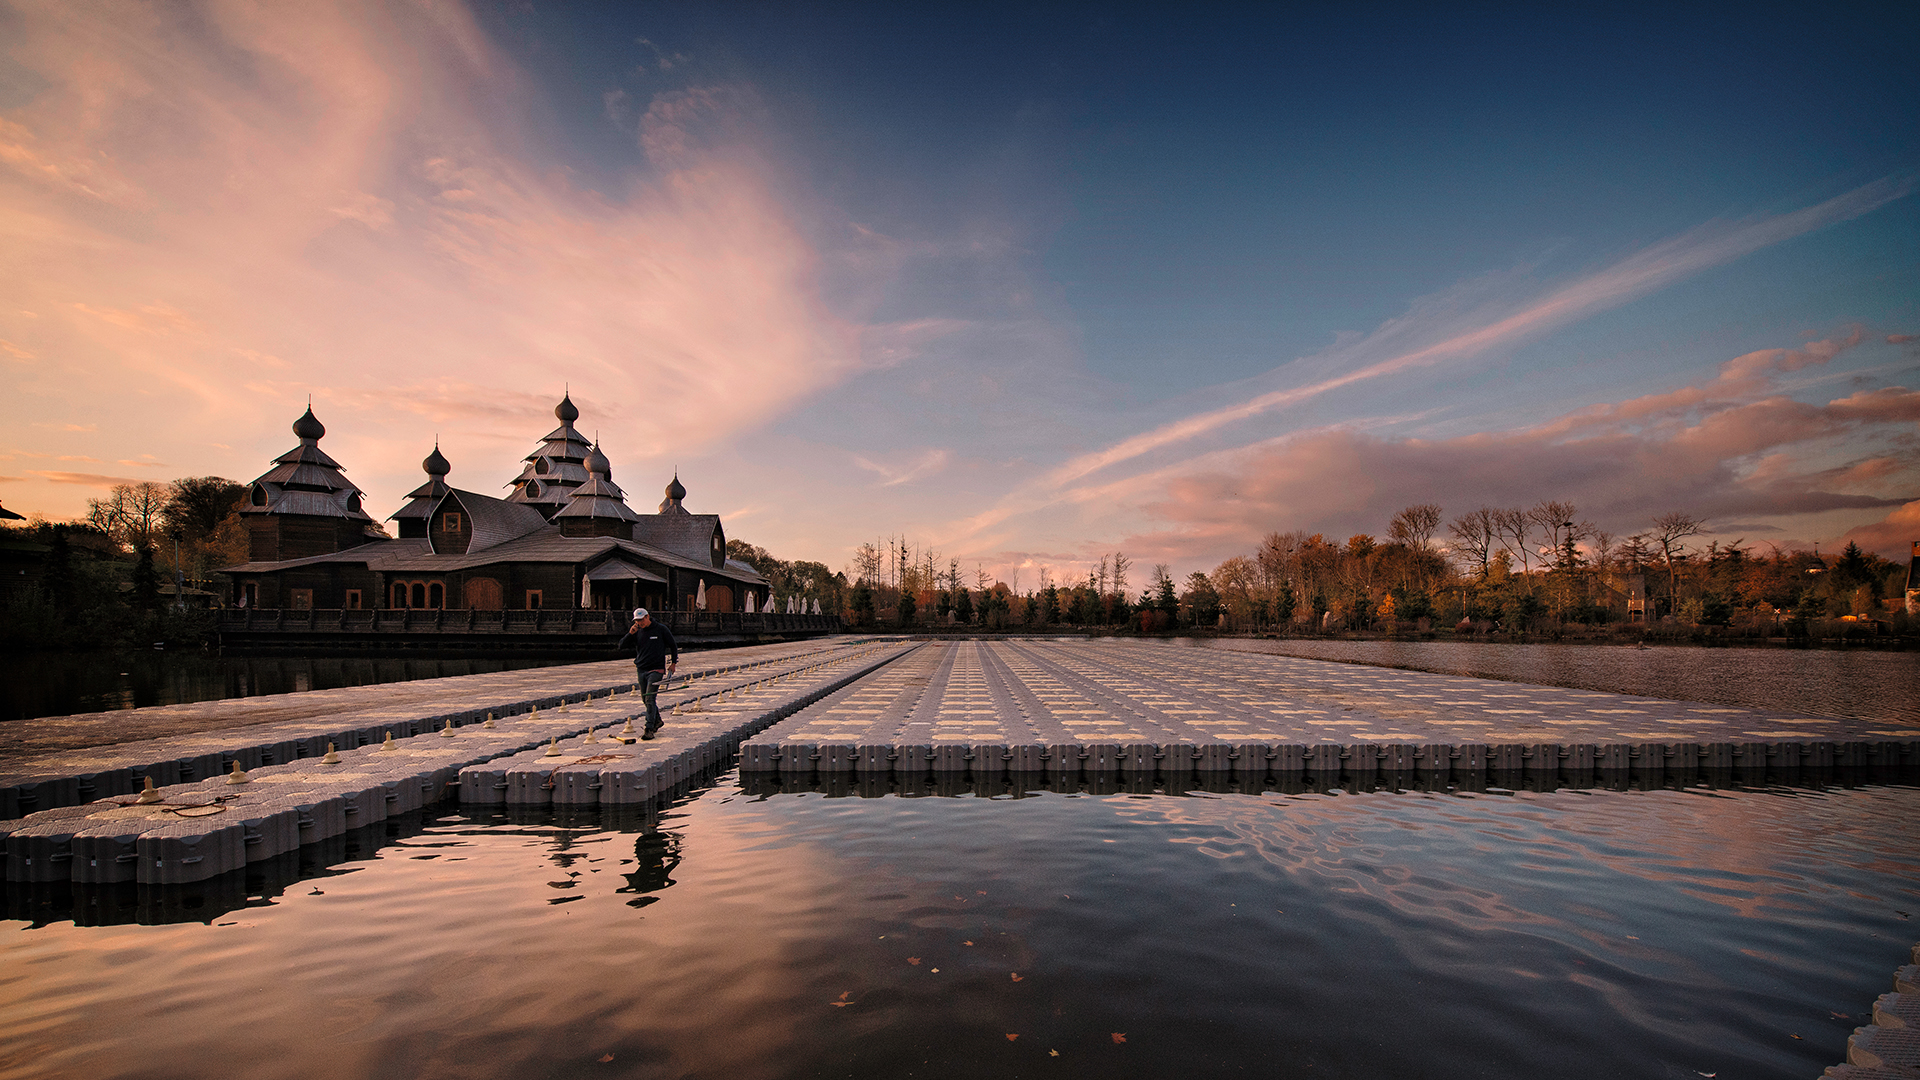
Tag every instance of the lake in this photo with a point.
(1674, 933)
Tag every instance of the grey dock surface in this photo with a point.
(64, 760)
(184, 832)
(1890, 1046)
(991, 707)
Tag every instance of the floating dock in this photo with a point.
(1142, 710)
(888, 716)
(1890, 1046)
(177, 831)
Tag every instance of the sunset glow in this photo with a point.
(1025, 290)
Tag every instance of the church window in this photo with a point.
(436, 595)
(353, 599)
(450, 522)
(417, 595)
(542, 466)
(259, 497)
(533, 599)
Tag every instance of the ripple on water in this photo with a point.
(1570, 934)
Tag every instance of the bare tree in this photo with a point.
(1555, 520)
(1668, 531)
(1415, 525)
(131, 514)
(1120, 565)
(1514, 529)
(866, 564)
(1474, 538)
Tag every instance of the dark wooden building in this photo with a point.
(564, 538)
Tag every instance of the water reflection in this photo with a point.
(1010, 927)
(1867, 684)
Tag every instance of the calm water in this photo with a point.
(59, 684)
(1868, 684)
(1570, 934)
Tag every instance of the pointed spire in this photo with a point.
(676, 492)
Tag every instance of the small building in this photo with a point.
(564, 537)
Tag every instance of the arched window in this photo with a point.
(399, 594)
(418, 596)
(259, 496)
(436, 595)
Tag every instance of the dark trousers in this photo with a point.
(649, 691)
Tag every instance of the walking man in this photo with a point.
(654, 657)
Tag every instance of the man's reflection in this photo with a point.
(655, 854)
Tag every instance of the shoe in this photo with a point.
(651, 731)
(647, 735)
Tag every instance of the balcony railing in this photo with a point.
(568, 621)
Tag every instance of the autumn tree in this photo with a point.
(1668, 532)
(1475, 538)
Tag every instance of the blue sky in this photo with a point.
(1022, 283)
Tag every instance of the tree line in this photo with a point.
(109, 576)
(1515, 570)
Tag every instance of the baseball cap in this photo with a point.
(639, 613)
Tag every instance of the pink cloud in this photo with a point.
(1891, 537)
(230, 210)
(87, 479)
(1730, 460)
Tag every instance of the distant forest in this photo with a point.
(1537, 571)
(109, 578)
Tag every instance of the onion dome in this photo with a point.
(309, 425)
(556, 466)
(597, 463)
(304, 481)
(675, 490)
(435, 464)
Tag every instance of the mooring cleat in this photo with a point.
(387, 747)
(149, 794)
(447, 732)
(238, 775)
(553, 747)
(333, 756)
(489, 724)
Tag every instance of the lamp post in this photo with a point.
(179, 579)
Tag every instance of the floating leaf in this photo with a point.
(936, 971)
(1016, 976)
(606, 1057)
(914, 960)
(845, 994)
(1053, 1053)
(1012, 1036)
(1119, 1036)
(966, 943)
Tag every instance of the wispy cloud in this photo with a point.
(351, 201)
(86, 479)
(1452, 327)
(1644, 272)
(925, 464)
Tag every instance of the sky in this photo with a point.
(1024, 284)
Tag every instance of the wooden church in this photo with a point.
(563, 538)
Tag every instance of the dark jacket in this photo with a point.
(652, 646)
